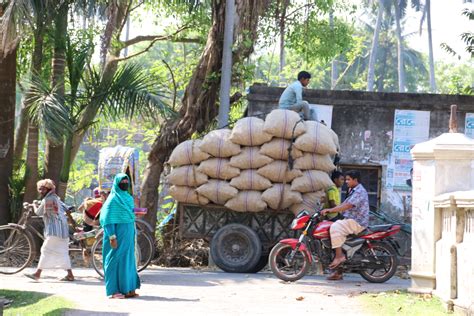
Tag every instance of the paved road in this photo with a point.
(179, 291)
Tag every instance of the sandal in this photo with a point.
(131, 295)
(117, 296)
(335, 276)
(31, 276)
(67, 278)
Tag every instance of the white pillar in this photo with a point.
(441, 165)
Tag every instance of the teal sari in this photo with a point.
(117, 218)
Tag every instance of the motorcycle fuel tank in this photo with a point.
(322, 230)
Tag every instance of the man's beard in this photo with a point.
(43, 195)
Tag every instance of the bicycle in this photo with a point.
(18, 247)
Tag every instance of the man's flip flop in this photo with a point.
(31, 276)
(338, 264)
(67, 279)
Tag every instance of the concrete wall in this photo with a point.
(364, 123)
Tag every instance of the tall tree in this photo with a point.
(198, 105)
(7, 118)
(374, 48)
(427, 12)
(401, 65)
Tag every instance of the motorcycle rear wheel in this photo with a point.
(386, 253)
(285, 270)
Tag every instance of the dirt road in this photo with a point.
(168, 291)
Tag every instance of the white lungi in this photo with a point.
(55, 254)
(341, 229)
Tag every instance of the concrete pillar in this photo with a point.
(443, 164)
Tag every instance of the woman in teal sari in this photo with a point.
(118, 220)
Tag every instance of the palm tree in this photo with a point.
(427, 14)
(374, 49)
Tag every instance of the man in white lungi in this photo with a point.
(355, 210)
(55, 249)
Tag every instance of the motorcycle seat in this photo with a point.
(379, 228)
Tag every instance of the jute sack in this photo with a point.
(311, 181)
(187, 175)
(280, 123)
(278, 171)
(250, 180)
(218, 144)
(250, 158)
(317, 139)
(249, 132)
(310, 201)
(335, 139)
(187, 153)
(218, 168)
(186, 194)
(280, 196)
(277, 148)
(315, 161)
(217, 191)
(247, 201)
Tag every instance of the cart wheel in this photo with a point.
(236, 248)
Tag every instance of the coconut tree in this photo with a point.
(381, 7)
(427, 15)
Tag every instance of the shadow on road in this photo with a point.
(82, 312)
(165, 299)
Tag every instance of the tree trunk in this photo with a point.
(401, 65)
(334, 72)
(54, 152)
(284, 6)
(7, 129)
(374, 49)
(31, 175)
(198, 105)
(20, 133)
(430, 46)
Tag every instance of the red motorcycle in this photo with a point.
(371, 253)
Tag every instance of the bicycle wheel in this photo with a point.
(17, 249)
(146, 248)
(96, 252)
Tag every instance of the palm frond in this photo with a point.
(48, 110)
(17, 15)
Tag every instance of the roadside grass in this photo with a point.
(34, 303)
(402, 303)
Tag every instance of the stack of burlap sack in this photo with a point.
(246, 169)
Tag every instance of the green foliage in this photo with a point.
(455, 79)
(83, 175)
(16, 187)
(35, 303)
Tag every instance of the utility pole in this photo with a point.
(226, 71)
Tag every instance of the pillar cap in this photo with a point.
(445, 146)
(463, 199)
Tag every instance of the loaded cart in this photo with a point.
(239, 241)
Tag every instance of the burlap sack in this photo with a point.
(280, 123)
(187, 175)
(250, 158)
(310, 201)
(315, 161)
(218, 144)
(218, 168)
(277, 148)
(311, 181)
(187, 195)
(247, 201)
(249, 132)
(217, 191)
(317, 139)
(280, 196)
(187, 153)
(250, 180)
(335, 139)
(278, 171)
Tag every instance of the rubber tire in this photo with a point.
(273, 264)
(249, 241)
(146, 255)
(29, 243)
(262, 263)
(393, 268)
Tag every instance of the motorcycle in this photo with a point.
(370, 253)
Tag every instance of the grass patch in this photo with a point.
(402, 303)
(34, 303)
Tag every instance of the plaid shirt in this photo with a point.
(360, 212)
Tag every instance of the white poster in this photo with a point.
(469, 125)
(324, 113)
(410, 128)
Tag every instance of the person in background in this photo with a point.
(355, 209)
(118, 220)
(55, 249)
(333, 195)
(90, 209)
(292, 97)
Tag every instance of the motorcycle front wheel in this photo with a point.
(385, 253)
(286, 268)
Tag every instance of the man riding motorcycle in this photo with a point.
(355, 210)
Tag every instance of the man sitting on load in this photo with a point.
(292, 97)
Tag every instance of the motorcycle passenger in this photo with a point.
(333, 195)
(355, 210)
